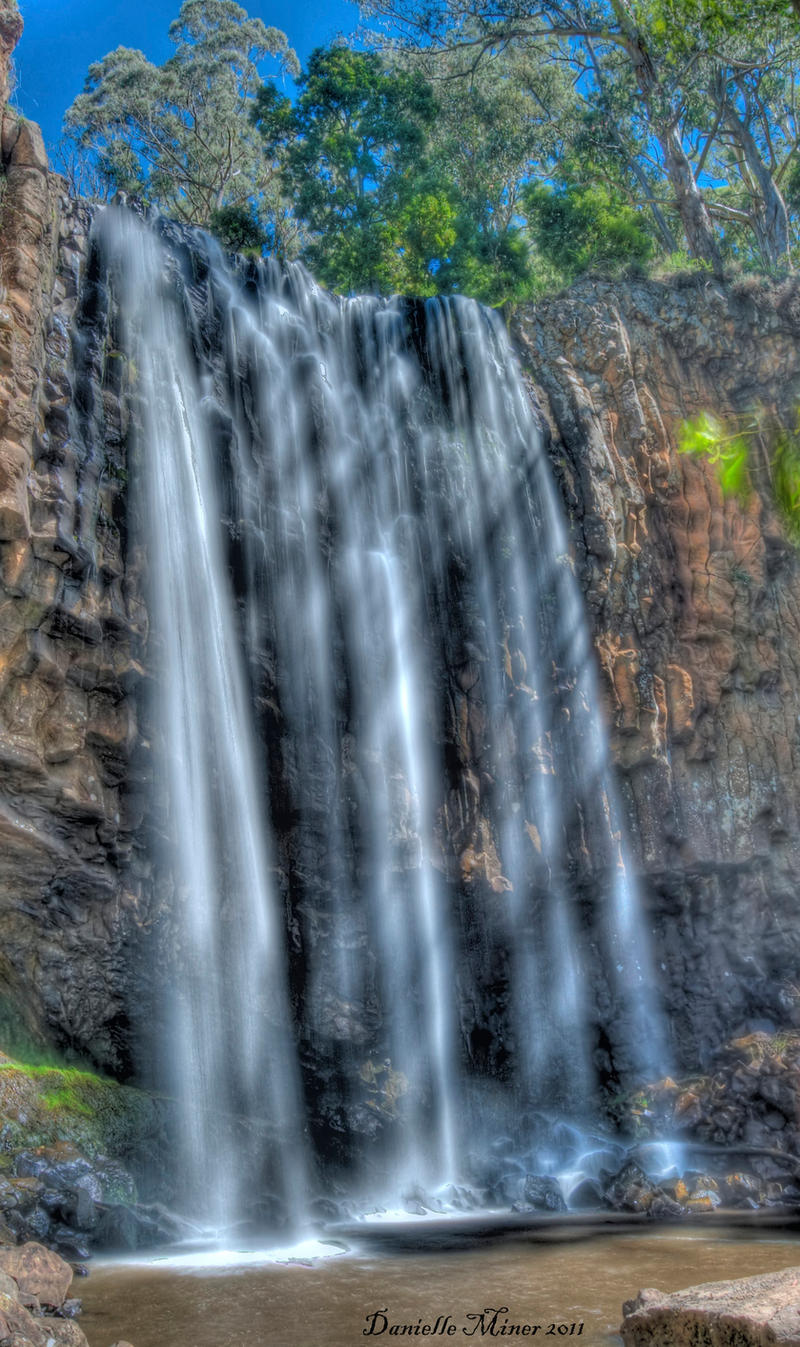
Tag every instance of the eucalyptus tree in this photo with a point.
(179, 134)
(496, 127)
(626, 37)
(354, 161)
(753, 91)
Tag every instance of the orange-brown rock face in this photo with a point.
(695, 604)
(694, 599)
(10, 34)
(69, 626)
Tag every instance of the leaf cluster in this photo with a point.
(729, 451)
(489, 149)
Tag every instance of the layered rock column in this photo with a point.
(70, 626)
(695, 604)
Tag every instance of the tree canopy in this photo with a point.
(488, 149)
(179, 134)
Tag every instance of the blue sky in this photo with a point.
(62, 38)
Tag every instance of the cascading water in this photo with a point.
(232, 1051)
(405, 911)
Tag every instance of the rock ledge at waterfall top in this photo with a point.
(748, 1312)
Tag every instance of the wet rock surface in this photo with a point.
(695, 605)
(76, 1205)
(71, 864)
(81, 1158)
(747, 1107)
(749, 1312)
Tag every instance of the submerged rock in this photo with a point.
(748, 1312)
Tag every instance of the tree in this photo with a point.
(579, 227)
(496, 127)
(605, 33)
(753, 93)
(179, 134)
(354, 163)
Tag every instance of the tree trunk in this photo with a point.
(770, 217)
(667, 237)
(697, 223)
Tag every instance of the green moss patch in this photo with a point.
(42, 1104)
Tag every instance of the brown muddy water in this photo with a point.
(572, 1290)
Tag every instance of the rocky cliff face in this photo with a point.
(694, 599)
(695, 605)
(70, 627)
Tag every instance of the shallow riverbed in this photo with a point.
(333, 1302)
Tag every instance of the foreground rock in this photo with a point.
(68, 1140)
(749, 1312)
(35, 1310)
(76, 1205)
(42, 1277)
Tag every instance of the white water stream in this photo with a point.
(381, 728)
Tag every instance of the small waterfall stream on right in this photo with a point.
(429, 782)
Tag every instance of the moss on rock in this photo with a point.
(43, 1104)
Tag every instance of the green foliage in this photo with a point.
(69, 1100)
(42, 1103)
(493, 266)
(179, 134)
(497, 123)
(73, 1075)
(238, 230)
(498, 153)
(690, 107)
(679, 264)
(729, 453)
(716, 18)
(354, 163)
(786, 481)
(581, 228)
(427, 232)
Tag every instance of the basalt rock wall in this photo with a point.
(693, 599)
(695, 606)
(71, 626)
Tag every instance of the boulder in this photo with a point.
(39, 1273)
(629, 1189)
(543, 1193)
(17, 1326)
(749, 1312)
(64, 1333)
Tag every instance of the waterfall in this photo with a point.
(406, 928)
